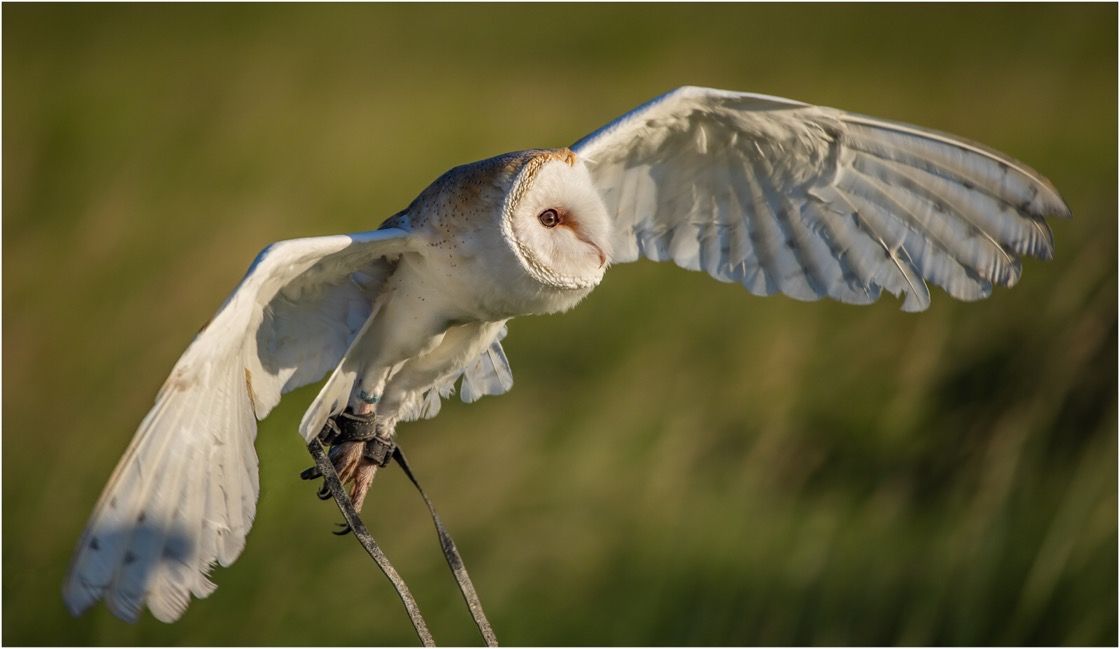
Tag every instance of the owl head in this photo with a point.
(523, 232)
(554, 220)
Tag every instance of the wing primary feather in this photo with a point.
(187, 554)
(242, 412)
(103, 544)
(997, 177)
(141, 562)
(1008, 232)
(169, 592)
(205, 551)
(126, 519)
(965, 156)
(916, 259)
(917, 296)
(936, 251)
(230, 545)
(177, 569)
(214, 524)
(948, 225)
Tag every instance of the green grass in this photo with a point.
(679, 463)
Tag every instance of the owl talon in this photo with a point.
(358, 447)
(330, 433)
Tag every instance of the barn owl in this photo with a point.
(776, 195)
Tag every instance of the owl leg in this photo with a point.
(356, 461)
(403, 328)
(381, 394)
(375, 454)
(359, 460)
(360, 442)
(370, 456)
(359, 445)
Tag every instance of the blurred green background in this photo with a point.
(679, 462)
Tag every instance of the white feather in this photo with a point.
(184, 495)
(479, 373)
(773, 194)
(814, 202)
(489, 375)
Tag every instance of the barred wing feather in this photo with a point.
(814, 202)
(184, 495)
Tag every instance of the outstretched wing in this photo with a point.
(185, 492)
(813, 202)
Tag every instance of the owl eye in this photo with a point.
(549, 218)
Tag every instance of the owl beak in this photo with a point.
(602, 255)
(576, 230)
(598, 250)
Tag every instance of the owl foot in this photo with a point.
(358, 447)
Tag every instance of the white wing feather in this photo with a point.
(487, 375)
(813, 202)
(184, 495)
